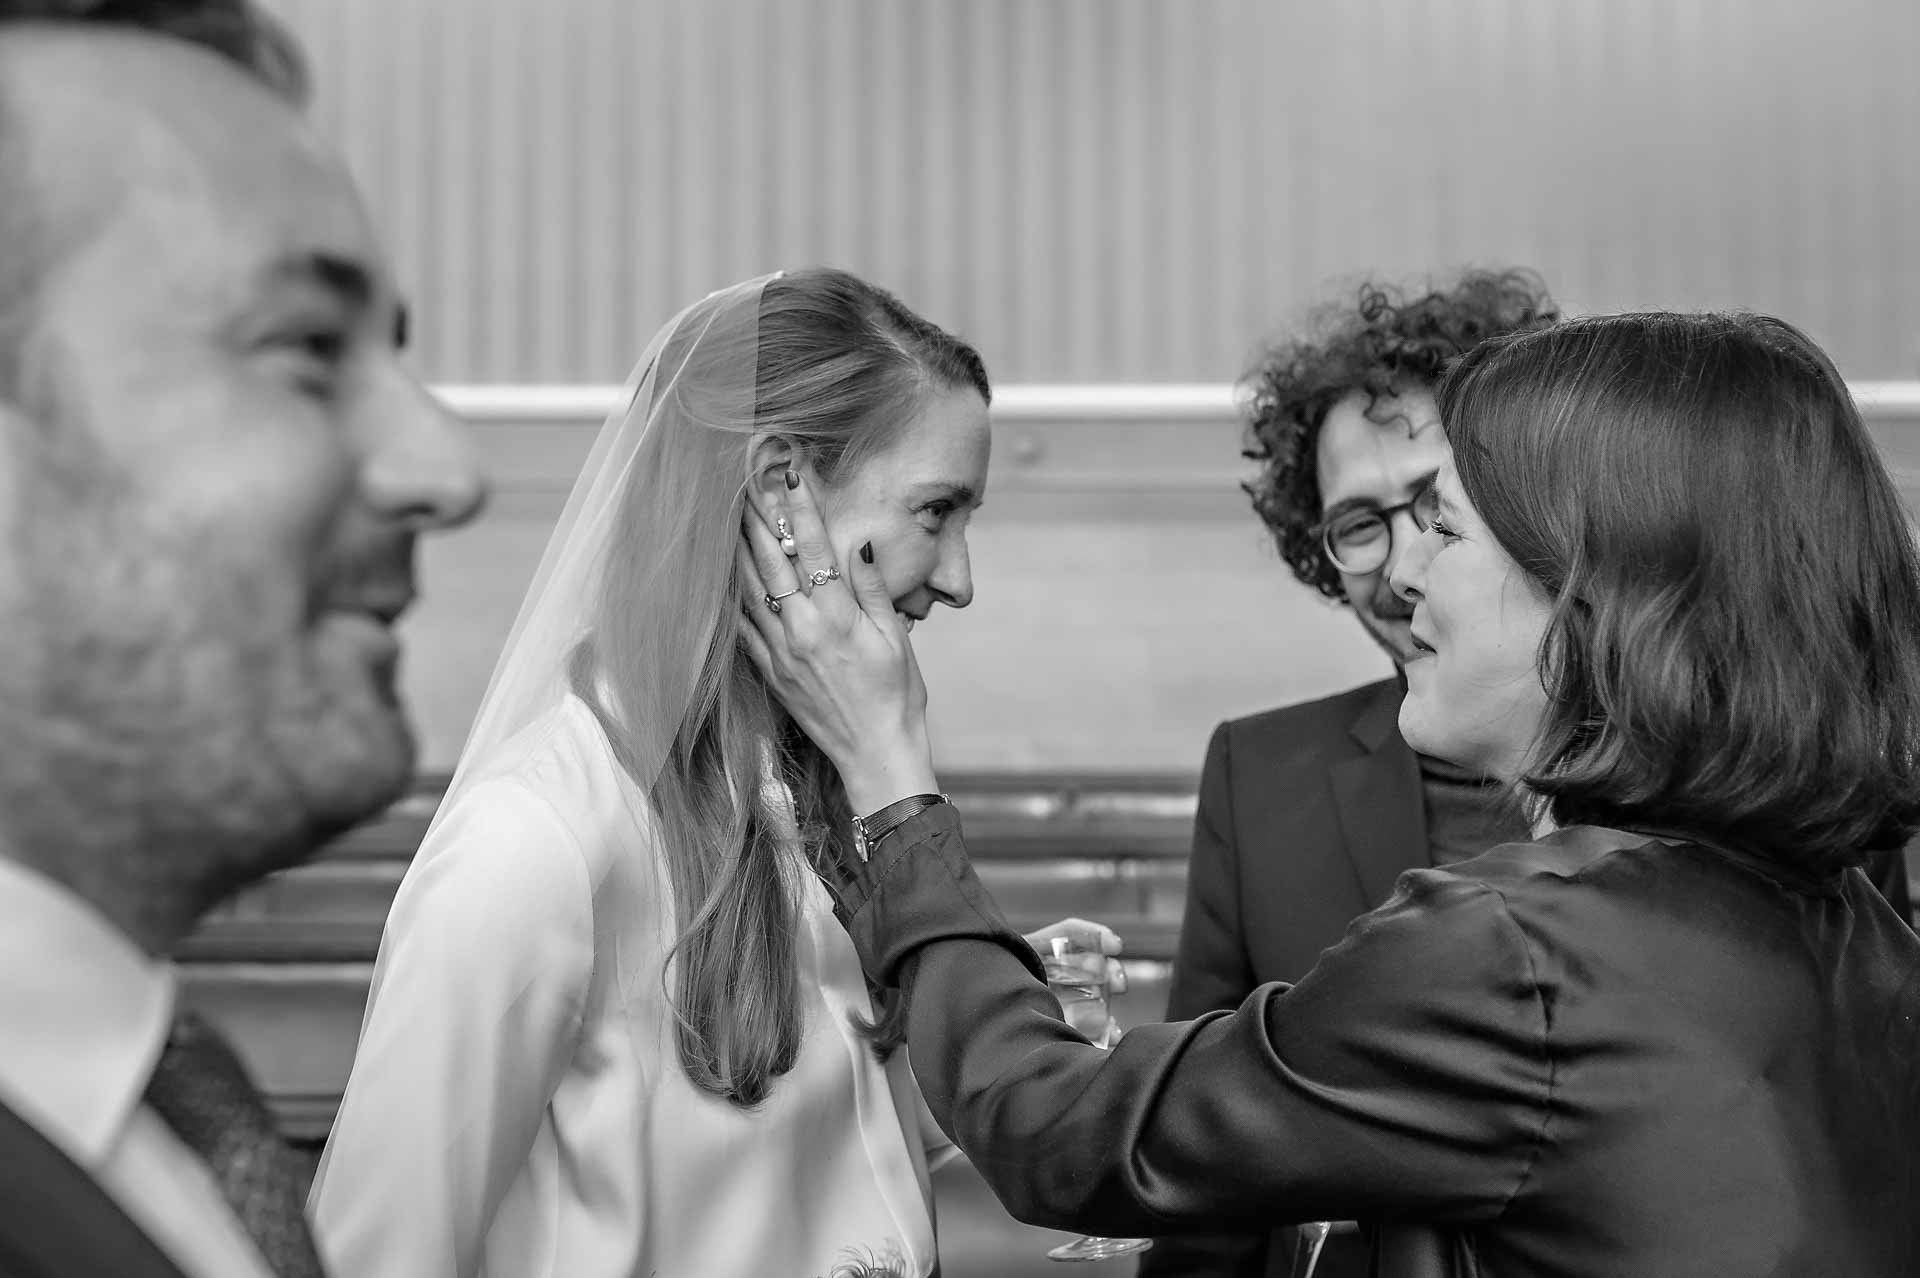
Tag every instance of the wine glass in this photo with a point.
(1309, 1236)
(1078, 978)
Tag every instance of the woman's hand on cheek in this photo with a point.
(836, 655)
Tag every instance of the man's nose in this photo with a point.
(423, 467)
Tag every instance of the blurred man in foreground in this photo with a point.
(213, 469)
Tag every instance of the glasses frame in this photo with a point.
(1427, 496)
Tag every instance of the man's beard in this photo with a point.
(172, 714)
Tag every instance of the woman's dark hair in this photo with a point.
(1733, 652)
(1383, 345)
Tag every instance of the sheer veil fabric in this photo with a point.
(516, 1103)
(682, 429)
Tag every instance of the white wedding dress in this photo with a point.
(517, 1108)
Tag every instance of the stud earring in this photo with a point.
(786, 537)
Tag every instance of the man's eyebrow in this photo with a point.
(346, 279)
(1346, 505)
(343, 277)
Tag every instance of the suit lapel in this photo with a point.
(56, 1220)
(1377, 794)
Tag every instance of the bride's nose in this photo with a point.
(952, 578)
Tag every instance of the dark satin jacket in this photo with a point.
(1596, 1055)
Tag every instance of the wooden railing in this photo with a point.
(285, 966)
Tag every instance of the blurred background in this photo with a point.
(1120, 190)
(1117, 201)
(1121, 196)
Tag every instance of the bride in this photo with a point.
(615, 1027)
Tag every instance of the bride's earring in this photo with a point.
(786, 537)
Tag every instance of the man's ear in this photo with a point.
(768, 458)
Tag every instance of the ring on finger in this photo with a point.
(773, 601)
(821, 576)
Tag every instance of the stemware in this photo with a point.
(1078, 978)
(1310, 1236)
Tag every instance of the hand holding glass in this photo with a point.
(1078, 978)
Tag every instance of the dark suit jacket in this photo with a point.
(55, 1222)
(1308, 814)
(1594, 1055)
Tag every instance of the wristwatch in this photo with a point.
(869, 830)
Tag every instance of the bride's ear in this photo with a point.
(768, 458)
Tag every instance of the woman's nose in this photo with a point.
(952, 579)
(1403, 532)
(1408, 569)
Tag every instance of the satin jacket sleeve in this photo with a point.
(1211, 972)
(476, 1004)
(1407, 1072)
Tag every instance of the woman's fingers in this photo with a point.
(1087, 937)
(768, 563)
(757, 648)
(754, 589)
(870, 588)
(813, 552)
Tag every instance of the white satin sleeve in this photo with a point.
(475, 1011)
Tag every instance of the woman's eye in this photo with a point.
(937, 510)
(1446, 533)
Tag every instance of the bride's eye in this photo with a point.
(936, 512)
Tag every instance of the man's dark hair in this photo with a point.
(1387, 343)
(237, 30)
(1733, 652)
(232, 29)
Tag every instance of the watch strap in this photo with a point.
(869, 830)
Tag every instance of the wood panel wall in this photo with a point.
(1121, 190)
(1126, 599)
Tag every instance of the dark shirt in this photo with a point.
(1596, 1054)
(1466, 813)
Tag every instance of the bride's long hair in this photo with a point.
(839, 365)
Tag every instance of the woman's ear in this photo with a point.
(768, 458)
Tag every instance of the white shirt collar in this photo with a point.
(84, 1013)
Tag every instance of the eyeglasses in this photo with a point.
(1359, 541)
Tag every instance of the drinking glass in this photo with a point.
(1308, 1238)
(1078, 978)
